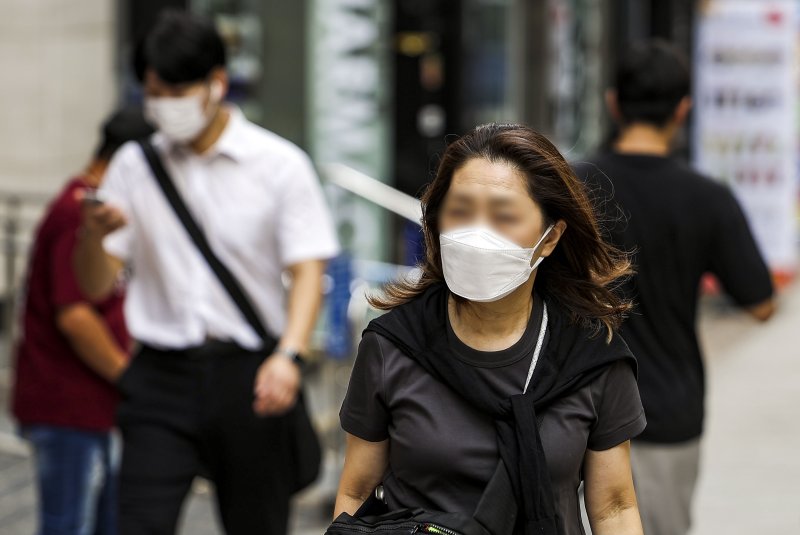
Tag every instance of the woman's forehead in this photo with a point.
(480, 177)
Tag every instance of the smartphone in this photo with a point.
(90, 196)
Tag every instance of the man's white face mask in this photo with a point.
(183, 119)
(481, 265)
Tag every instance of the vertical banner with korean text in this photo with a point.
(745, 115)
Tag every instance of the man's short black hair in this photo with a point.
(127, 124)
(180, 48)
(652, 77)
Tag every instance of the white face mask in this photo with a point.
(481, 265)
(182, 119)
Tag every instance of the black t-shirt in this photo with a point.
(443, 451)
(678, 225)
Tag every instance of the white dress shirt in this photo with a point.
(258, 200)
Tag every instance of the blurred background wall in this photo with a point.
(59, 81)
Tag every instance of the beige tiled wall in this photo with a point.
(57, 82)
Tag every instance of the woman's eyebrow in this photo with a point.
(494, 200)
(460, 197)
(501, 201)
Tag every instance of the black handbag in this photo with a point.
(305, 446)
(495, 514)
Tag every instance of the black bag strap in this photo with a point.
(226, 278)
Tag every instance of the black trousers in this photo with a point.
(191, 410)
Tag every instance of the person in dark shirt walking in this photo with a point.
(679, 225)
(513, 307)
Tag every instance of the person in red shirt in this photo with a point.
(70, 353)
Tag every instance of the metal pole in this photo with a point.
(10, 230)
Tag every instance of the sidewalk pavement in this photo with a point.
(750, 473)
(311, 515)
(18, 514)
(311, 510)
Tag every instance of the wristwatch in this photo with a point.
(293, 355)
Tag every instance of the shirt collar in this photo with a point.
(233, 142)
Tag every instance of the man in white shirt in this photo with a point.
(202, 391)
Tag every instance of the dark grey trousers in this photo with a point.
(665, 477)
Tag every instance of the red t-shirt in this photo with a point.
(53, 386)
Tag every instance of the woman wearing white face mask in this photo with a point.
(503, 349)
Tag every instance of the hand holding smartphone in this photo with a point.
(99, 218)
(91, 196)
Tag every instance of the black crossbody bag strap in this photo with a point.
(226, 278)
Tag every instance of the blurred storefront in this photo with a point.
(379, 85)
(546, 64)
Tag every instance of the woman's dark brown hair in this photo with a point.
(580, 274)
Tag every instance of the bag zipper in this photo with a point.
(413, 527)
(435, 529)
